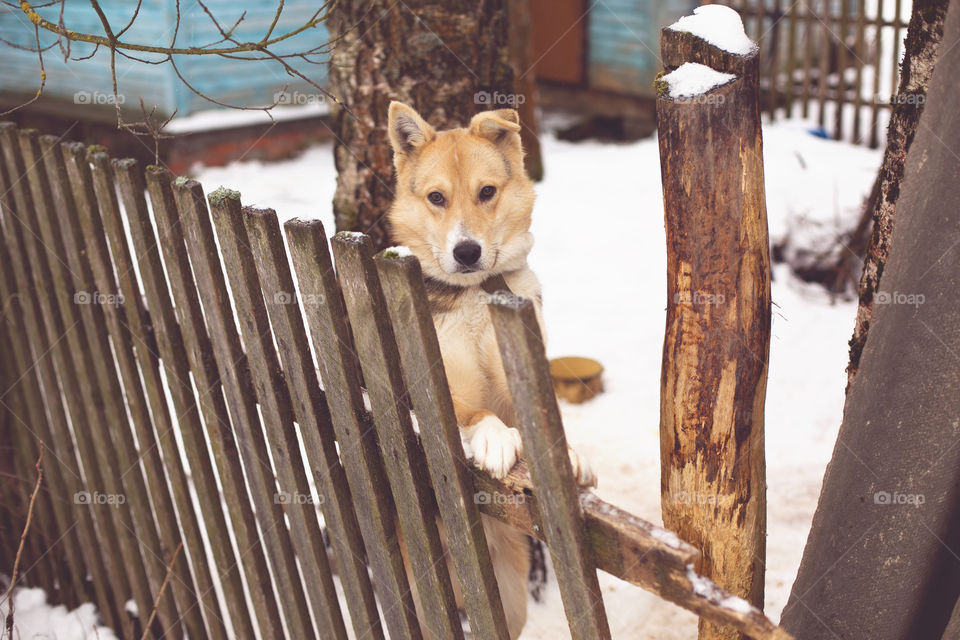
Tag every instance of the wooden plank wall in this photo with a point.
(157, 350)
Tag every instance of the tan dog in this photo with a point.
(463, 204)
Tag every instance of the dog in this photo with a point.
(463, 207)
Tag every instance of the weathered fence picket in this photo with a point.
(538, 418)
(313, 416)
(426, 383)
(294, 497)
(173, 354)
(352, 424)
(45, 329)
(403, 459)
(232, 363)
(212, 402)
(193, 588)
(21, 314)
(217, 348)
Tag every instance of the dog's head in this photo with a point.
(463, 200)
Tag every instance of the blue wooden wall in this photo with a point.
(623, 42)
(226, 80)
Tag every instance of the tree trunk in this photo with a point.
(920, 54)
(882, 561)
(523, 60)
(715, 350)
(447, 59)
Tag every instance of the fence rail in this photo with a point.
(837, 59)
(158, 347)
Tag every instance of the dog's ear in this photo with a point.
(408, 131)
(499, 126)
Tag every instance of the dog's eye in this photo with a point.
(487, 192)
(435, 197)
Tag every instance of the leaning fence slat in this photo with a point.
(895, 54)
(75, 357)
(212, 401)
(877, 57)
(358, 448)
(826, 38)
(121, 453)
(791, 57)
(403, 459)
(20, 384)
(427, 384)
(859, 52)
(40, 322)
(157, 529)
(841, 95)
(772, 37)
(233, 366)
(277, 414)
(545, 448)
(313, 415)
(808, 40)
(192, 588)
(170, 344)
(45, 525)
(40, 191)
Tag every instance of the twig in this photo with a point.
(156, 603)
(43, 75)
(23, 539)
(113, 42)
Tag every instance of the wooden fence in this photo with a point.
(835, 59)
(160, 354)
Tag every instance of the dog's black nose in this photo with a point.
(467, 253)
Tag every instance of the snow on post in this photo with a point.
(713, 382)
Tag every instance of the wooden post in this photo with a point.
(717, 338)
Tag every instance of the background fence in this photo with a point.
(159, 354)
(835, 60)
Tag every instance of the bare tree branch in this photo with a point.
(23, 539)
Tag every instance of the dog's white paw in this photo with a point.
(581, 470)
(495, 446)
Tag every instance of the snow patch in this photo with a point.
(719, 25)
(398, 252)
(693, 79)
(213, 119)
(34, 617)
(710, 591)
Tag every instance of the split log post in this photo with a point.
(714, 371)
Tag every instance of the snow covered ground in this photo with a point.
(601, 257)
